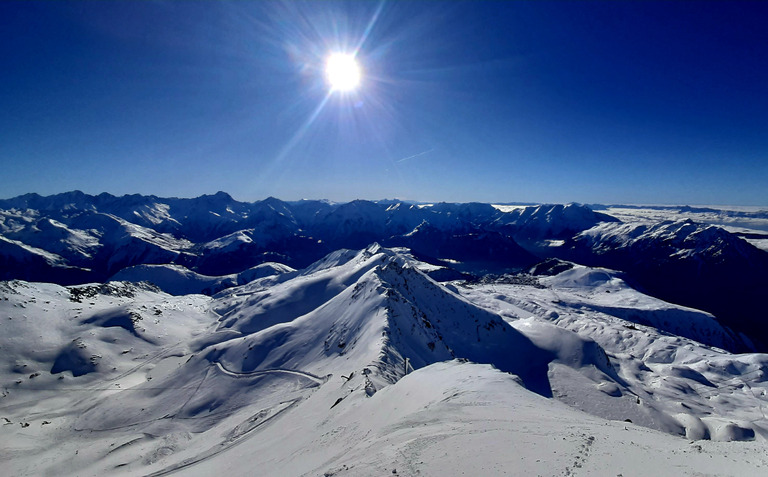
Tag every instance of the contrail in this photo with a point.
(416, 155)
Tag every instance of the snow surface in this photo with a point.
(363, 365)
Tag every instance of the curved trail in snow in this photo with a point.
(264, 372)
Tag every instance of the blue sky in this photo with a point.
(616, 102)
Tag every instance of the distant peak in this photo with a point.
(219, 196)
(273, 201)
(75, 194)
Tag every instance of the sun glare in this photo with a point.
(342, 72)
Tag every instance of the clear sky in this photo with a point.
(616, 102)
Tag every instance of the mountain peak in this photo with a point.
(222, 196)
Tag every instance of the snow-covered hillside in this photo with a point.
(361, 364)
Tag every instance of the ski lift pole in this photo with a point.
(406, 367)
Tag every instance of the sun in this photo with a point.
(342, 72)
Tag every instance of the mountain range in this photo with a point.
(213, 242)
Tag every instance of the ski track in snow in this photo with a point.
(264, 372)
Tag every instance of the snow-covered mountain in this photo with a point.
(361, 364)
(550, 222)
(76, 238)
(216, 235)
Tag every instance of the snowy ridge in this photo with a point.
(652, 363)
(175, 279)
(530, 224)
(685, 236)
(373, 296)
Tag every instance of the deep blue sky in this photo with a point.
(616, 102)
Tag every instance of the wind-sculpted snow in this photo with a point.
(255, 307)
(106, 324)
